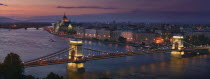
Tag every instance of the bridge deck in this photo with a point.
(110, 55)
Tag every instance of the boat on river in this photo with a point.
(51, 40)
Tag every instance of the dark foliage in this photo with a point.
(28, 77)
(53, 76)
(13, 67)
(122, 39)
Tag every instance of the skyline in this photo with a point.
(127, 10)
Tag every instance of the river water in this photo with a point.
(31, 44)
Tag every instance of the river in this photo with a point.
(31, 44)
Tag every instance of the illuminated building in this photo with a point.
(63, 25)
(115, 35)
(127, 35)
(90, 33)
(144, 37)
(81, 33)
(103, 34)
(206, 33)
(158, 39)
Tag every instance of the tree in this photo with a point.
(143, 43)
(28, 77)
(13, 66)
(1, 70)
(122, 39)
(105, 77)
(53, 76)
(106, 40)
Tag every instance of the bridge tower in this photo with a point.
(74, 69)
(177, 42)
(75, 52)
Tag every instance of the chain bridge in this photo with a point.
(76, 53)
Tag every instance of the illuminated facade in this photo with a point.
(81, 33)
(177, 42)
(103, 34)
(159, 39)
(147, 38)
(90, 33)
(128, 36)
(57, 27)
(65, 19)
(63, 25)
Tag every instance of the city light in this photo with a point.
(108, 39)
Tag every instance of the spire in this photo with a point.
(65, 19)
(64, 16)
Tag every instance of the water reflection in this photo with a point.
(75, 70)
(176, 54)
(179, 66)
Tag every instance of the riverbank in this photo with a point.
(97, 40)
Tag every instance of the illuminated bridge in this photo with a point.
(76, 53)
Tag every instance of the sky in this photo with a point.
(172, 10)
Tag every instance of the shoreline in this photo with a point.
(97, 40)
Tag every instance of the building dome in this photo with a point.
(65, 19)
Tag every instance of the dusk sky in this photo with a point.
(178, 9)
